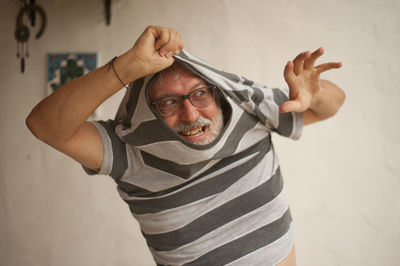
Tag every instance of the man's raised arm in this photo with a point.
(60, 119)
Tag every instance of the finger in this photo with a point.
(298, 104)
(162, 37)
(328, 66)
(298, 62)
(163, 42)
(173, 46)
(180, 44)
(291, 106)
(290, 77)
(169, 48)
(309, 63)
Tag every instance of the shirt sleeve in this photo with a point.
(267, 102)
(115, 156)
(286, 124)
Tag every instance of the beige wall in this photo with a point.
(342, 175)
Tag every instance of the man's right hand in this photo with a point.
(153, 51)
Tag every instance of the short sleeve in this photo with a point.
(267, 109)
(289, 124)
(115, 157)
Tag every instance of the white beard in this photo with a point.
(214, 127)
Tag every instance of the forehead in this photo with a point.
(174, 80)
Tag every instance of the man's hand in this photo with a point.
(308, 93)
(153, 50)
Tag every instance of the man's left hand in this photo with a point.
(303, 79)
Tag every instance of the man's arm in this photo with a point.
(60, 119)
(316, 99)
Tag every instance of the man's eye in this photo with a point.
(168, 102)
(200, 93)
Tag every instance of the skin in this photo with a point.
(60, 119)
(317, 99)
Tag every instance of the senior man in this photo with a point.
(190, 147)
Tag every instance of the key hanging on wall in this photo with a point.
(22, 33)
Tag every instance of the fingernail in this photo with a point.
(169, 54)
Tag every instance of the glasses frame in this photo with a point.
(184, 97)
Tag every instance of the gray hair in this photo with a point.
(172, 72)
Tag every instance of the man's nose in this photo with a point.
(189, 113)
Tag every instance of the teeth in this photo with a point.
(193, 131)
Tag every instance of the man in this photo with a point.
(190, 147)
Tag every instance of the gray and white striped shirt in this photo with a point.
(222, 203)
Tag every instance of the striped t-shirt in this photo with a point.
(217, 204)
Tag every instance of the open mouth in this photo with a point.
(193, 132)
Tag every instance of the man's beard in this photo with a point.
(214, 127)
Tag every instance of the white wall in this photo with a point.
(342, 176)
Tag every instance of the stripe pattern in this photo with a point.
(223, 203)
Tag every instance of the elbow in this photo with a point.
(33, 125)
(29, 123)
(37, 125)
(340, 100)
(342, 97)
(46, 129)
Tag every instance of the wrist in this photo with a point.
(128, 67)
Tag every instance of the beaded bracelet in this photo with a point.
(111, 64)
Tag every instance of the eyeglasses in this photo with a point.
(170, 105)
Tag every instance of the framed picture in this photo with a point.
(64, 67)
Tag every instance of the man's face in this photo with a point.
(197, 125)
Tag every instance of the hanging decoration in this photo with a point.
(22, 31)
(107, 11)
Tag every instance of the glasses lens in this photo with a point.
(202, 97)
(169, 105)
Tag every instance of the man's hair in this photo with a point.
(172, 72)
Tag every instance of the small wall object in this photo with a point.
(107, 11)
(64, 67)
(22, 33)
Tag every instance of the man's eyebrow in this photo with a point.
(198, 84)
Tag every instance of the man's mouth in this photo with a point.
(197, 131)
